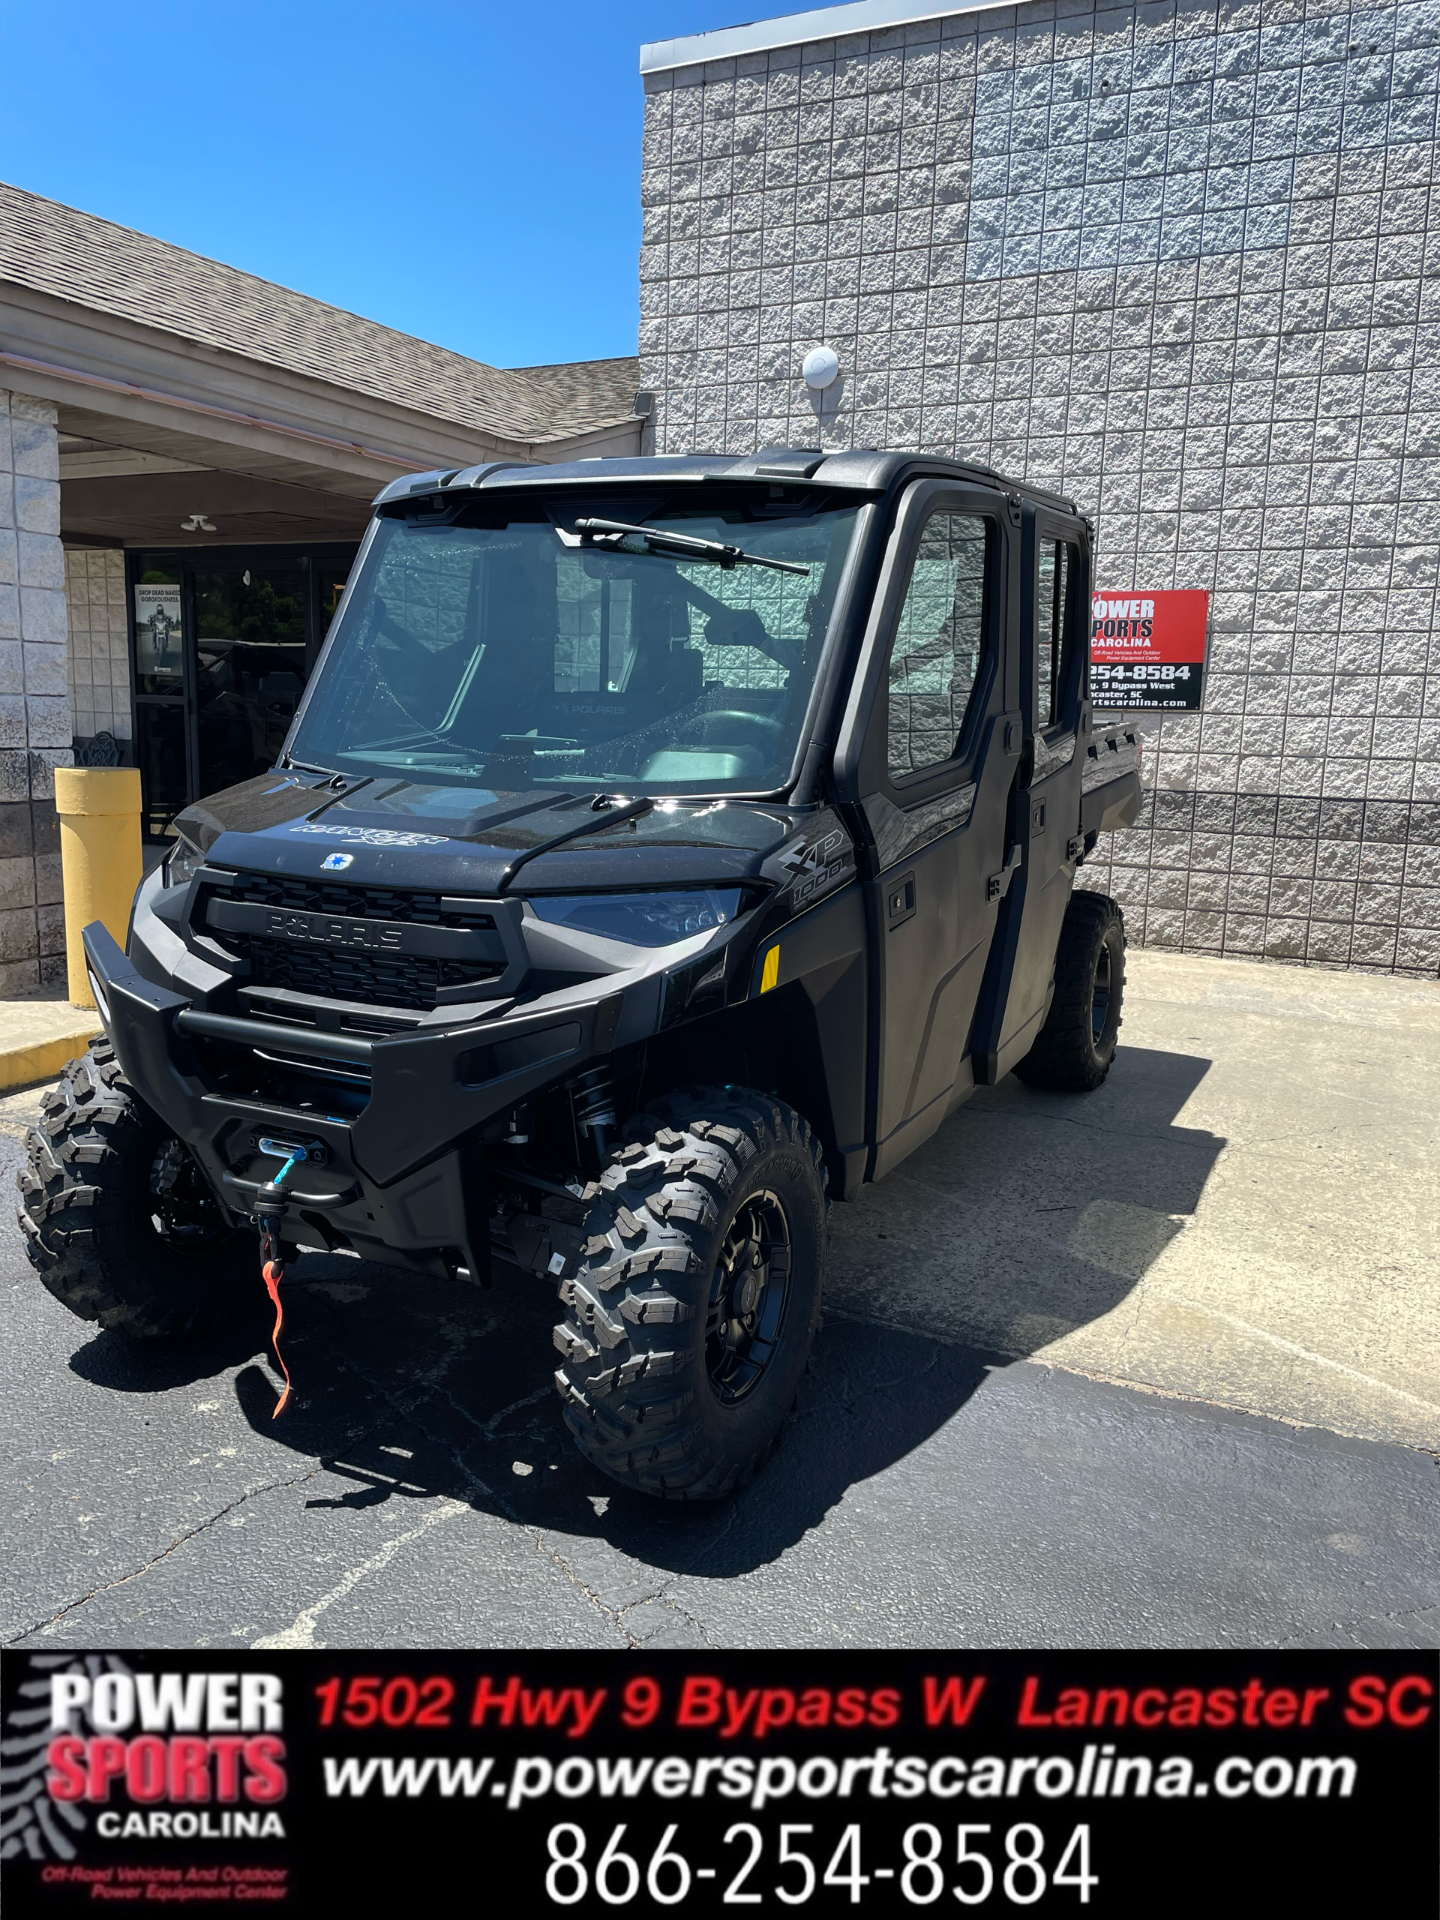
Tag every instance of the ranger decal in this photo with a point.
(373, 836)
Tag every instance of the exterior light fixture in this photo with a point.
(198, 523)
(821, 368)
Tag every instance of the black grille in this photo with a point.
(360, 903)
(382, 979)
(390, 980)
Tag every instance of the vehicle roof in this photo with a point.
(861, 470)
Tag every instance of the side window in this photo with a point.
(1054, 623)
(939, 644)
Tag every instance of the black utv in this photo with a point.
(662, 849)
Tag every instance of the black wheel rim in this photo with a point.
(1100, 995)
(748, 1294)
(181, 1208)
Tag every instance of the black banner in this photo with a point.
(1108, 1783)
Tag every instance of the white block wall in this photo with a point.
(35, 727)
(1180, 260)
(99, 662)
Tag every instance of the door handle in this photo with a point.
(998, 885)
(899, 899)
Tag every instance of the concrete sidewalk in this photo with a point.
(39, 1032)
(1244, 1214)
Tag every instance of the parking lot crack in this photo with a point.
(478, 1487)
(490, 1430)
(659, 1599)
(562, 1566)
(1365, 1623)
(491, 1427)
(909, 1377)
(52, 1623)
(472, 1481)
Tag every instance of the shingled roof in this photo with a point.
(58, 250)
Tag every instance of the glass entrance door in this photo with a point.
(224, 640)
(162, 732)
(250, 636)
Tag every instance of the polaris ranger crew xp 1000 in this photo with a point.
(662, 849)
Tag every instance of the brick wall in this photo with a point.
(35, 731)
(1183, 263)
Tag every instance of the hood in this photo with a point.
(397, 833)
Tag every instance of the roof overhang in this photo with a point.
(119, 382)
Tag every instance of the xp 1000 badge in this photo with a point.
(1147, 649)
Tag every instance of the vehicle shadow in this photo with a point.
(1027, 1215)
(158, 1366)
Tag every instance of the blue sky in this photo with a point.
(469, 173)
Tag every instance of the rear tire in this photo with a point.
(690, 1320)
(1075, 1047)
(118, 1219)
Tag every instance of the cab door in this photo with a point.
(1044, 827)
(928, 750)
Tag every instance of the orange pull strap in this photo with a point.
(274, 1273)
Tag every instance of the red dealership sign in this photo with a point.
(1147, 649)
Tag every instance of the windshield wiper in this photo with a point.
(612, 533)
(604, 813)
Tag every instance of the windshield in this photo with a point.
(508, 649)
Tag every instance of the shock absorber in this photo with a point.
(592, 1099)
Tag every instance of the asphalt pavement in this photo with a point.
(934, 1488)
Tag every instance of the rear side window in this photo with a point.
(1055, 624)
(939, 644)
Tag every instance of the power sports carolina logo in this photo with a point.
(198, 1756)
(372, 836)
(33, 1826)
(1123, 623)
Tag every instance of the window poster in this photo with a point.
(157, 635)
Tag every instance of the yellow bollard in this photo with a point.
(100, 858)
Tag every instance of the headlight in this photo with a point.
(182, 863)
(642, 919)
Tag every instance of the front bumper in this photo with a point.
(402, 1180)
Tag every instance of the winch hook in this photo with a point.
(269, 1214)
